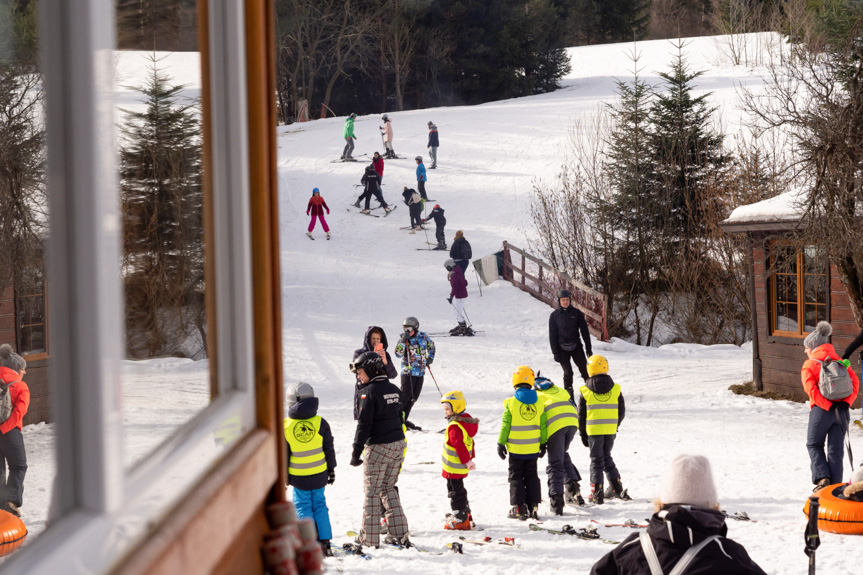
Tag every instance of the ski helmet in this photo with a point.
(296, 392)
(562, 294)
(419, 158)
(523, 375)
(353, 116)
(385, 117)
(437, 206)
(449, 264)
(430, 124)
(370, 362)
(542, 383)
(316, 191)
(456, 401)
(596, 364)
(411, 324)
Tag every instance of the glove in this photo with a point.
(501, 450)
(584, 441)
(328, 212)
(307, 213)
(431, 359)
(403, 337)
(356, 461)
(542, 450)
(355, 137)
(589, 352)
(449, 299)
(471, 465)
(331, 477)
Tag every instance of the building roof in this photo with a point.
(780, 212)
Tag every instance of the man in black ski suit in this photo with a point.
(565, 325)
(460, 251)
(440, 221)
(372, 182)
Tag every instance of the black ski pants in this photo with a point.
(560, 469)
(438, 234)
(14, 456)
(457, 495)
(416, 211)
(524, 485)
(421, 187)
(378, 196)
(412, 385)
(576, 355)
(600, 458)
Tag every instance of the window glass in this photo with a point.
(799, 289)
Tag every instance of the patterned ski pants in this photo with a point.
(380, 474)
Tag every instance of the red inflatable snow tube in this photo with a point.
(836, 513)
(12, 533)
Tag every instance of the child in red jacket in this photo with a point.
(14, 457)
(458, 454)
(316, 206)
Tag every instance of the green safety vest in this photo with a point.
(524, 431)
(450, 461)
(559, 410)
(601, 410)
(307, 446)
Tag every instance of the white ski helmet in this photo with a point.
(449, 264)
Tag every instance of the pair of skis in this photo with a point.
(586, 533)
(354, 534)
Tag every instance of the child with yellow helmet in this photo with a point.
(523, 434)
(457, 460)
(600, 413)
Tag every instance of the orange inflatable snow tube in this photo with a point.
(836, 513)
(12, 533)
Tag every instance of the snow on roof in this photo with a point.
(782, 208)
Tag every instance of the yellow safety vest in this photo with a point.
(559, 410)
(602, 412)
(524, 431)
(307, 446)
(450, 461)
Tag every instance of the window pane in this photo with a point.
(786, 317)
(813, 314)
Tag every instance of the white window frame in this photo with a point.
(102, 509)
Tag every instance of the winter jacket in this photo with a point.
(371, 181)
(811, 371)
(458, 285)
(387, 131)
(564, 327)
(416, 352)
(411, 197)
(307, 409)
(455, 439)
(599, 383)
(349, 128)
(367, 346)
(672, 531)
(19, 395)
(460, 250)
(438, 217)
(528, 397)
(379, 166)
(317, 205)
(433, 139)
(380, 418)
(421, 173)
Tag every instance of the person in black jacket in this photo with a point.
(433, 145)
(439, 221)
(380, 434)
(375, 340)
(414, 202)
(852, 347)
(372, 182)
(565, 325)
(687, 520)
(460, 251)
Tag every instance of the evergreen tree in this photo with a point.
(623, 20)
(162, 221)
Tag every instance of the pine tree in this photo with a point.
(163, 221)
(623, 20)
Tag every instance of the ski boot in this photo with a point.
(326, 548)
(459, 329)
(388, 210)
(328, 235)
(468, 331)
(518, 512)
(533, 513)
(365, 211)
(596, 495)
(616, 490)
(458, 522)
(403, 541)
(573, 494)
(356, 204)
(556, 504)
(310, 235)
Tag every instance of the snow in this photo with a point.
(371, 273)
(784, 207)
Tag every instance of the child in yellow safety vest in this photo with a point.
(311, 459)
(457, 459)
(523, 433)
(600, 413)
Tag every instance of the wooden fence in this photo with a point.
(542, 281)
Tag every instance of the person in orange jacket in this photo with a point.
(12, 452)
(458, 458)
(828, 420)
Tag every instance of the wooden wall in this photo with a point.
(7, 316)
(782, 357)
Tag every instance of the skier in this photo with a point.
(687, 524)
(562, 420)
(379, 433)
(311, 459)
(378, 163)
(523, 433)
(372, 187)
(415, 206)
(416, 350)
(828, 420)
(458, 458)
(600, 413)
(387, 131)
(433, 144)
(460, 251)
(458, 291)
(375, 340)
(13, 456)
(348, 135)
(316, 206)
(565, 324)
(421, 177)
(440, 221)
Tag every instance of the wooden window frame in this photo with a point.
(47, 327)
(801, 294)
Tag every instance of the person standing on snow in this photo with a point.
(378, 163)
(457, 458)
(458, 292)
(421, 177)
(440, 222)
(375, 340)
(565, 325)
(348, 135)
(316, 206)
(460, 251)
(13, 367)
(387, 131)
(415, 208)
(433, 144)
(372, 187)
(828, 420)
(416, 350)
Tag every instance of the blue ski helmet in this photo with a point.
(316, 191)
(542, 383)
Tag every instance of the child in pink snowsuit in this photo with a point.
(316, 206)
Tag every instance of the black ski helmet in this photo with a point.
(412, 323)
(562, 294)
(370, 362)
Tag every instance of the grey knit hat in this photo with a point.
(819, 336)
(296, 392)
(10, 359)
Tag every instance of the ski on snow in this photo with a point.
(394, 546)
(508, 541)
(350, 549)
(738, 516)
(628, 523)
(353, 159)
(582, 532)
(448, 334)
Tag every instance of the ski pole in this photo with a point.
(810, 536)
(428, 367)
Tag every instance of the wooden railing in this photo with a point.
(542, 281)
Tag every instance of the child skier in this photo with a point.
(416, 350)
(311, 459)
(317, 205)
(421, 177)
(458, 456)
(600, 413)
(458, 291)
(415, 206)
(387, 132)
(562, 420)
(439, 221)
(523, 433)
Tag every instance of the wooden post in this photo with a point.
(541, 294)
(522, 272)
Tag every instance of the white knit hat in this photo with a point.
(689, 482)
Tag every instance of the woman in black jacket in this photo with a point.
(374, 336)
(460, 251)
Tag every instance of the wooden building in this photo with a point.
(791, 290)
